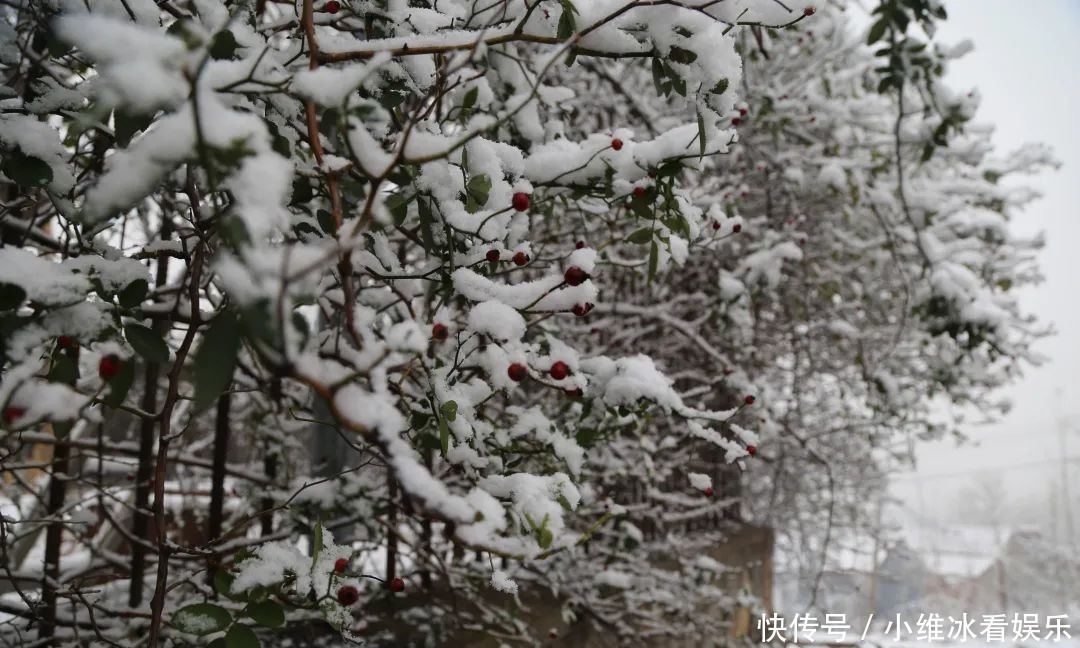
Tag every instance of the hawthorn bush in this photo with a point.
(378, 319)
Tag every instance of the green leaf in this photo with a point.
(449, 410)
(479, 187)
(241, 636)
(26, 171)
(423, 208)
(654, 257)
(720, 87)
(444, 436)
(468, 102)
(11, 296)
(545, 537)
(223, 581)
(658, 76)
(398, 205)
(642, 207)
(680, 55)
(301, 325)
(877, 30)
(267, 613)
(301, 191)
(64, 369)
(185, 31)
(223, 46)
(126, 124)
(201, 619)
(120, 384)
(701, 133)
(316, 542)
(643, 235)
(134, 293)
(147, 343)
(216, 359)
(567, 24)
(679, 85)
(326, 221)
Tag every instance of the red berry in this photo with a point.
(332, 7)
(13, 413)
(517, 372)
(716, 225)
(340, 564)
(559, 370)
(640, 192)
(735, 121)
(348, 595)
(575, 393)
(109, 366)
(579, 245)
(520, 259)
(749, 399)
(492, 256)
(65, 342)
(616, 144)
(809, 10)
(751, 450)
(743, 112)
(520, 201)
(737, 227)
(580, 310)
(708, 492)
(575, 276)
(439, 331)
(397, 585)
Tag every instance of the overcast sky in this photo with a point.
(1025, 65)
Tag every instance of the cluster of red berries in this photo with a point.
(520, 258)
(558, 370)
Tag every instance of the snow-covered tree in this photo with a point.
(403, 316)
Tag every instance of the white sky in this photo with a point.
(1025, 66)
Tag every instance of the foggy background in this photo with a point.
(1023, 469)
